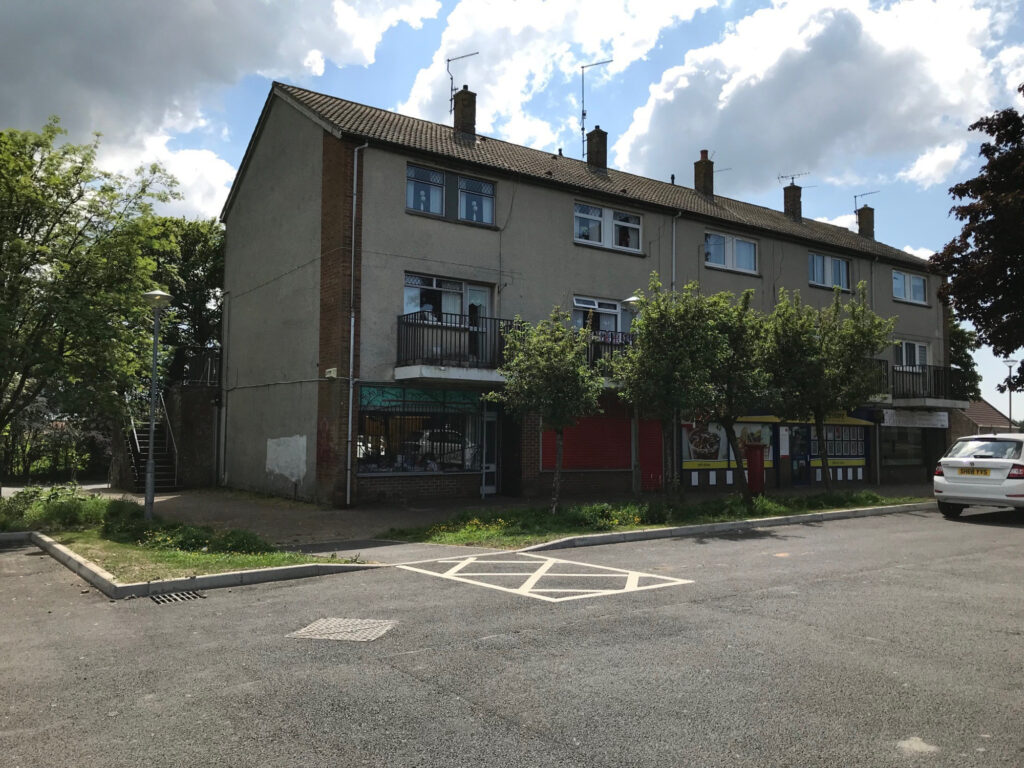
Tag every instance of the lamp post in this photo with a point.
(1009, 387)
(159, 301)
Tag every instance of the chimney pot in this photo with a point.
(866, 222)
(791, 204)
(597, 149)
(704, 175)
(465, 111)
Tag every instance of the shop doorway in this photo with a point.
(800, 454)
(489, 478)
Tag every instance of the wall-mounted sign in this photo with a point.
(928, 419)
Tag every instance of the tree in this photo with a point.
(546, 372)
(820, 360)
(984, 264)
(189, 259)
(72, 321)
(665, 371)
(739, 382)
(967, 380)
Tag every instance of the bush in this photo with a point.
(61, 507)
(124, 521)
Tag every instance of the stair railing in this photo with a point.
(170, 433)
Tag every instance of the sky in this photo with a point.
(852, 97)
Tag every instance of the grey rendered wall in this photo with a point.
(272, 281)
(532, 260)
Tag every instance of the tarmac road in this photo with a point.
(883, 641)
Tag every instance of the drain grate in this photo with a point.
(177, 597)
(359, 630)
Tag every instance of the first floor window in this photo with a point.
(424, 190)
(828, 271)
(402, 429)
(909, 287)
(910, 354)
(605, 226)
(476, 200)
(595, 314)
(730, 252)
(441, 299)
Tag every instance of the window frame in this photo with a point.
(729, 253)
(410, 168)
(610, 221)
(908, 287)
(441, 285)
(828, 271)
(482, 194)
(902, 365)
(612, 308)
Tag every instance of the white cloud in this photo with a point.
(314, 62)
(805, 86)
(921, 253)
(204, 178)
(934, 165)
(1010, 64)
(846, 220)
(525, 51)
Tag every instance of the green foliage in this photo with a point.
(984, 264)
(60, 507)
(819, 360)
(546, 372)
(531, 525)
(967, 381)
(72, 321)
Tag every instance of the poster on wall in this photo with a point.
(705, 446)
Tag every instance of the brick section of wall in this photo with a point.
(335, 303)
(413, 487)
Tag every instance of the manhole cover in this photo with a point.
(177, 597)
(360, 630)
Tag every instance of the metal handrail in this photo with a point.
(170, 433)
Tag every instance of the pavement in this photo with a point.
(878, 642)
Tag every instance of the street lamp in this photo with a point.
(1009, 386)
(159, 301)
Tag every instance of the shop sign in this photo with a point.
(840, 462)
(926, 419)
(705, 445)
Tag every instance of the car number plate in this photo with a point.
(973, 471)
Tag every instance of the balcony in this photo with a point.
(448, 347)
(605, 344)
(928, 385)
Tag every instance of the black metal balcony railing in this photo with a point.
(604, 344)
(461, 341)
(916, 381)
(881, 376)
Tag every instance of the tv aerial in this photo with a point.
(583, 101)
(791, 176)
(862, 194)
(451, 77)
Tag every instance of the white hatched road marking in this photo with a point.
(540, 569)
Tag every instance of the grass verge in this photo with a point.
(513, 528)
(132, 562)
(114, 534)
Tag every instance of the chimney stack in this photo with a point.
(465, 111)
(866, 222)
(791, 204)
(704, 175)
(597, 149)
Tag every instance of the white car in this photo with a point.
(982, 470)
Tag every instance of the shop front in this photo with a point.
(912, 441)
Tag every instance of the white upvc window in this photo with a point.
(600, 315)
(728, 252)
(440, 299)
(424, 190)
(828, 271)
(607, 227)
(910, 354)
(909, 287)
(476, 200)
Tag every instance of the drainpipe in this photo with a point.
(352, 326)
(674, 220)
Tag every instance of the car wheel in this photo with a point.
(950, 510)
